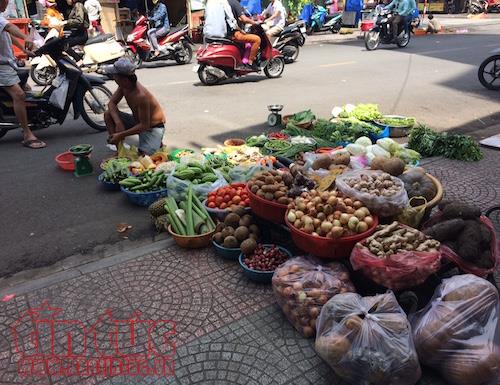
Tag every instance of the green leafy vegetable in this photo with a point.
(302, 117)
(397, 122)
(366, 112)
(453, 146)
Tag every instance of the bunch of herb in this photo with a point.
(453, 146)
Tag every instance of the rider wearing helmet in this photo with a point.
(161, 25)
(402, 10)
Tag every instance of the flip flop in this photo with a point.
(30, 144)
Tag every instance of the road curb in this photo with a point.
(15, 285)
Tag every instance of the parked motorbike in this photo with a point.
(177, 45)
(97, 52)
(322, 21)
(222, 59)
(489, 71)
(382, 30)
(290, 39)
(476, 6)
(86, 93)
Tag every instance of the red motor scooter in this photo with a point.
(222, 59)
(175, 46)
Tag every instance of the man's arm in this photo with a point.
(113, 107)
(144, 117)
(245, 19)
(17, 34)
(391, 5)
(275, 15)
(267, 11)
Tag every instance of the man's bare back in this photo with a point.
(139, 98)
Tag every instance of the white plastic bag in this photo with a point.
(385, 206)
(367, 340)
(58, 95)
(458, 334)
(36, 38)
(177, 188)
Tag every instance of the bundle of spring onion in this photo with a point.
(190, 217)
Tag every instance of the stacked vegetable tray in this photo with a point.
(333, 213)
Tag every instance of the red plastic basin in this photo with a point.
(328, 248)
(271, 211)
(66, 161)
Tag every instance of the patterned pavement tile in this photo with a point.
(197, 290)
(12, 349)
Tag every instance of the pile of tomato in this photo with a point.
(227, 196)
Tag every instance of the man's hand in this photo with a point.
(29, 53)
(115, 139)
(28, 43)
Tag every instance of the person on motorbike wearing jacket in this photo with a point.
(241, 37)
(77, 23)
(402, 10)
(276, 18)
(9, 81)
(161, 25)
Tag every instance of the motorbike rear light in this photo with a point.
(367, 25)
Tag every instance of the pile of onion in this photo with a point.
(329, 214)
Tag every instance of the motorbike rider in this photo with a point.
(403, 9)
(9, 81)
(241, 37)
(161, 25)
(218, 17)
(94, 9)
(276, 18)
(77, 23)
(53, 17)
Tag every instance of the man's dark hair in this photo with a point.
(132, 78)
(431, 16)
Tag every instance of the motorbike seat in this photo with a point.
(174, 30)
(99, 38)
(221, 40)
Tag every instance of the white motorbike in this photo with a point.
(489, 71)
(97, 51)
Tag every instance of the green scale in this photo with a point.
(81, 153)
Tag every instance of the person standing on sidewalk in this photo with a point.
(239, 36)
(9, 81)
(94, 9)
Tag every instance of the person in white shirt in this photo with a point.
(276, 18)
(9, 81)
(93, 8)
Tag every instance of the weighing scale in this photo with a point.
(81, 154)
(274, 118)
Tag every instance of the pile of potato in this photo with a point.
(329, 214)
(272, 185)
(303, 286)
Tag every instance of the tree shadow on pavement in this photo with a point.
(244, 132)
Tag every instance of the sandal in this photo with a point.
(34, 144)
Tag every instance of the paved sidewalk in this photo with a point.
(228, 330)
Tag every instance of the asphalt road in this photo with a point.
(48, 214)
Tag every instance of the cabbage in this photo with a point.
(386, 143)
(363, 141)
(336, 111)
(376, 150)
(355, 149)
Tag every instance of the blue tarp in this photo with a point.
(306, 13)
(252, 6)
(355, 6)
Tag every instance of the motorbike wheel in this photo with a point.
(3, 131)
(372, 40)
(185, 55)
(134, 57)
(485, 72)
(274, 67)
(205, 77)
(43, 76)
(290, 53)
(403, 41)
(95, 103)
